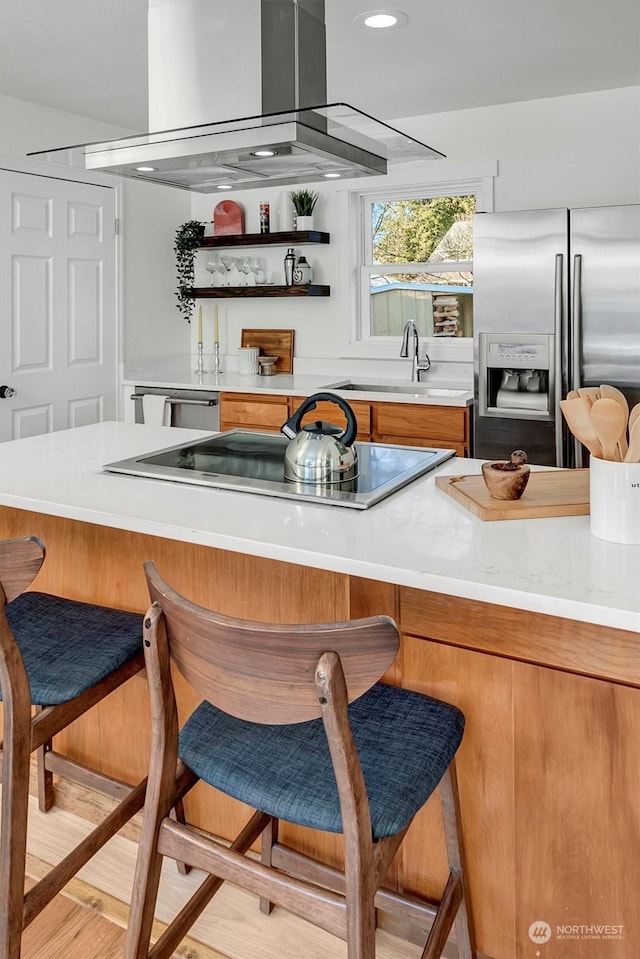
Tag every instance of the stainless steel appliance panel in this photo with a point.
(514, 270)
(605, 254)
(573, 275)
(191, 409)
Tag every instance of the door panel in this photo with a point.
(58, 330)
(607, 241)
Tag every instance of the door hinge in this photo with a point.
(116, 226)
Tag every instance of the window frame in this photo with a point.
(361, 341)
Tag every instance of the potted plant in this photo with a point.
(304, 202)
(188, 239)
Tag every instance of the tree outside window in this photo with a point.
(418, 264)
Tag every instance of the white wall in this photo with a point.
(566, 151)
(151, 214)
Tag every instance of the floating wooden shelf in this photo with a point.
(290, 238)
(227, 292)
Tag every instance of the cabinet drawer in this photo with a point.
(261, 413)
(448, 424)
(332, 413)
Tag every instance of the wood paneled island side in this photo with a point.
(547, 676)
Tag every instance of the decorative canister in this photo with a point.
(248, 360)
(289, 266)
(615, 500)
(265, 218)
(302, 274)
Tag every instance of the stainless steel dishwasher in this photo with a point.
(192, 409)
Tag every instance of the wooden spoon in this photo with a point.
(633, 453)
(609, 422)
(577, 413)
(572, 395)
(613, 393)
(633, 416)
(589, 393)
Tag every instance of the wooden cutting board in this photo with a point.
(548, 493)
(272, 343)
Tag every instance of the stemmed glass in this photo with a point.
(227, 262)
(250, 277)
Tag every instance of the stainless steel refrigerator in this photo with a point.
(556, 307)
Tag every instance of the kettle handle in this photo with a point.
(292, 426)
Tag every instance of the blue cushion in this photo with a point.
(68, 646)
(405, 742)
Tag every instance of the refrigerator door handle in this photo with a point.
(560, 362)
(576, 339)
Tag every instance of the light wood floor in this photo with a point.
(66, 930)
(88, 921)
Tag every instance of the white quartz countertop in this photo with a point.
(440, 393)
(418, 537)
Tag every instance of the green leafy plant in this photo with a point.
(304, 201)
(188, 239)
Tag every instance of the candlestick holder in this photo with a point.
(200, 367)
(216, 358)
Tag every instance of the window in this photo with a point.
(416, 261)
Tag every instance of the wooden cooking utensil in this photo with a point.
(613, 393)
(633, 453)
(589, 393)
(610, 422)
(572, 395)
(577, 413)
(633, 416)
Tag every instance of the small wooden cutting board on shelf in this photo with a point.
(272, 343)
(548, 493)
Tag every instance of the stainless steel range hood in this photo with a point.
(296, 138)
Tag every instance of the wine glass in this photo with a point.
(227, 262)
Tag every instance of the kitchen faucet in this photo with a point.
(417, 367)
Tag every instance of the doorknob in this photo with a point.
(6, 392)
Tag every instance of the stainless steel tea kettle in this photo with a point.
(320, 453)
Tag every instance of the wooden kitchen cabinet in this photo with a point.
(547, 770)
(405, 424)
(256, 411)
(443, 427)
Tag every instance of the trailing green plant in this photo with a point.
(304, 201)
(188, 239)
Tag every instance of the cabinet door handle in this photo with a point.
(176, 401)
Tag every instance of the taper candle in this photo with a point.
(216, 331)
(199, 324)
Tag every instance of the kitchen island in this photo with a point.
(531, 627)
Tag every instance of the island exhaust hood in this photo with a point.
(263, 61)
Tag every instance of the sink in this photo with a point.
(412, 389)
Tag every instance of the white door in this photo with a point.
(57, 304)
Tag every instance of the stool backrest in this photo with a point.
(20, 561)
(264, 672)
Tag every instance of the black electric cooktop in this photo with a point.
(253, 462)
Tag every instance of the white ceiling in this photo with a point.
(89, 56)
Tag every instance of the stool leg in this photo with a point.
(269, 837)
(13, 834)
(450, 802)
(46, 796)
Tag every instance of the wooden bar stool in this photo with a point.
(63, 657)
(294, 723)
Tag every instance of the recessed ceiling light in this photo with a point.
(382, 19)
(224, 186)
(146, 169)
(264, 153)
(331, 176)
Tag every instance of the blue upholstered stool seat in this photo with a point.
(68, 646)
(405, 742)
